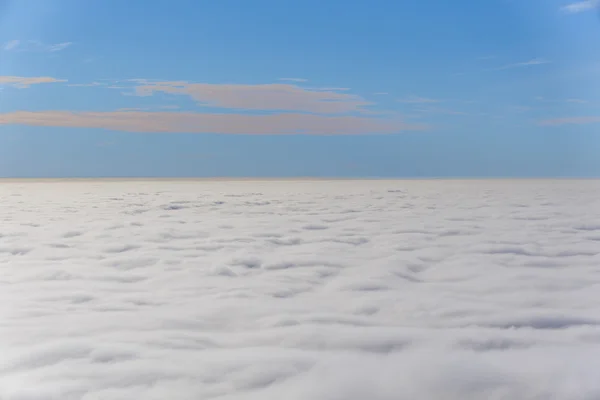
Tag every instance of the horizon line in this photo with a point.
(292, 178)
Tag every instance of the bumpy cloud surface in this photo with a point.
(299, 290)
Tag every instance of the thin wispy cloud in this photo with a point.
(438, 110)
(265, 97)
(581, 6)
(92, 84)
(22, 82)
(570, 121)
(520, 109)
(167, 107)
(571, 100)
(530, 63)
(11, 45)
(328, 89)
(577, 101)
(418, 100)
(35, 46)
(185, 122)
(293, 79)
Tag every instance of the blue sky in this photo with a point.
(428, 88)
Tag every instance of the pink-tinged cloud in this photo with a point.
(180, 122)
(280, 97)
(25, 82)
(570, 121)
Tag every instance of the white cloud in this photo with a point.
(585, 120)
(302, 290)
(11, 45)
(35, 46)
(418, 100)
(58, 46)
(578, 101)
(532, 62)
(581, 6)
(92, 84)
(293, 79)
(572, 100)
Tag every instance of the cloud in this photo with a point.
(35, 46)
(165, 107)
(532, 62)
(318, 290)
(520, 109)
(578, 101)
(418, 100)
(185, 122)
(284, 97)
(58, 46)
(25, 82)
(573, 100)
(575, 8)
(570, 121)
(11, 45)
(92, 84)
(293, 79)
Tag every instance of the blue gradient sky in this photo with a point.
(299, 88)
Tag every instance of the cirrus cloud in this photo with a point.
(189, 122)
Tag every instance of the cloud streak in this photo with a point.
(581, 6)
(570, 121)
(35, 46)
(271, 97)
(293, 79)
(25, 82)
(185, 122)
(530, 63)
(418, 100)
(11, 45)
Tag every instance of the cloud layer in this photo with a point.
(342, 290)
(182, 122)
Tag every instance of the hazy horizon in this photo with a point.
(293, 178)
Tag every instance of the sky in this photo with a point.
(272, 88)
